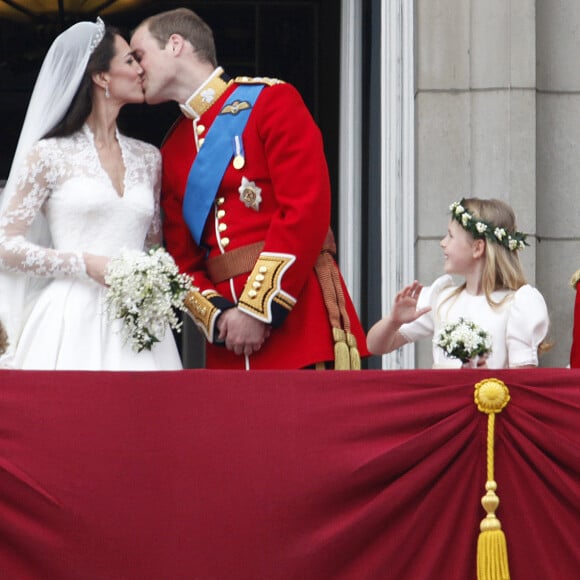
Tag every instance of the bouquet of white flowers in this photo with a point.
(145, 290)
(463, 340)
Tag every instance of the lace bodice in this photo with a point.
(63, 183)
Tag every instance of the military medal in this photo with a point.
(239, 159)
(239, 162)
(250, 194)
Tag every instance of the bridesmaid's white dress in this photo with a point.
(516, 327)
(66, 326)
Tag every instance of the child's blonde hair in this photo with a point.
(3, 339)
(502, 269)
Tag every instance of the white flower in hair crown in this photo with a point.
(513, 241)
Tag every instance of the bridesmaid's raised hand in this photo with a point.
(405, 305)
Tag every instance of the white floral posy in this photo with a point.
(144, 292)
(463, 340)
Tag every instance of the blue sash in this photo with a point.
(212, 160)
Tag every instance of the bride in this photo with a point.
(78, 193)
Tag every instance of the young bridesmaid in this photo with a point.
(482, 247)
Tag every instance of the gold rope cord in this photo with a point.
(491, 396)
(346, 353)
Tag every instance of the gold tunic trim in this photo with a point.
(258, 81)
(264, 286)
(202, 100)
(202, 311)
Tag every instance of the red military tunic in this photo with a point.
(280, 198)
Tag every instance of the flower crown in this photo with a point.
(513, 241)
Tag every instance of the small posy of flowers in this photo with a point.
(145, 291)
(464, 340)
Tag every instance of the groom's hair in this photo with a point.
(187, 24)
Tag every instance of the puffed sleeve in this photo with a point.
(429, 296)
(527, 326)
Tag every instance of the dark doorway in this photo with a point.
(297, 41)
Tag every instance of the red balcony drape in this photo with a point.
(283, 475)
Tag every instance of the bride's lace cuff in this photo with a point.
(18, 255)
(82, 272)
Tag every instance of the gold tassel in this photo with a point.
(341, 353)
(492, 560)
(353, 351)
(491, 396)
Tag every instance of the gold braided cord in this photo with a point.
(490, 446)
(346, 353)
(491, 396)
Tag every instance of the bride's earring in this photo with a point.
(107, 93)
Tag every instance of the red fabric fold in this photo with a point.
(283, 475)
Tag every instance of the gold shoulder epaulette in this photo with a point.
(258, 81)
(575, 278)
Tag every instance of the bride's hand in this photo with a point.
(96, 267)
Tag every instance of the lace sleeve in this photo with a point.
(154, 237)
(22, 210)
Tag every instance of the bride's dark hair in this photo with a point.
(82, 102)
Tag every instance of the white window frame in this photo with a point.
(397, 181)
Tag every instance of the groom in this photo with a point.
(246, 199)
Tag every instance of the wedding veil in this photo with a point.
(56, 85)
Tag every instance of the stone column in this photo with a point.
(558, 160)
(475, 119)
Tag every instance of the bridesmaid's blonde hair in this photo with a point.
(3, 339)
(502, 268)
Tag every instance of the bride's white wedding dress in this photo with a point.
(66, 326)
